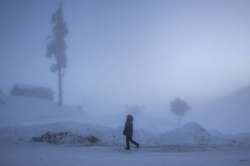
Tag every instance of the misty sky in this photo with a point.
(130, 51)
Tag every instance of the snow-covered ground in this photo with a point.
(22, 118)
(49, 155)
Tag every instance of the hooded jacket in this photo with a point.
(128, 127)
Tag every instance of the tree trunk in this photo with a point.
(60, 93)
(179, 122)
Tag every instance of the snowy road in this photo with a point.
(52, 155)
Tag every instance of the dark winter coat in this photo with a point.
(128, 128)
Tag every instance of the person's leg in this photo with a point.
(134, 142)
(127, 143)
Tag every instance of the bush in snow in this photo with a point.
(180, 108)
(65, 138)
(32, 91)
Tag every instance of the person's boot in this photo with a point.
(137, 145)
(127, 148)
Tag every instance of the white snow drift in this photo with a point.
(22, 118)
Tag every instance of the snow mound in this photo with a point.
(22, 118)
(26, 132)
(190, 133)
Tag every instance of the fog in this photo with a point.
(141, 52)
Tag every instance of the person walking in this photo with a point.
(128, 132)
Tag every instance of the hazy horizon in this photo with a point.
(122, 52)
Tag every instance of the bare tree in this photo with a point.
(180, 108)
(56, 48)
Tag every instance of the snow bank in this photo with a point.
(190, 133)
(22, 118)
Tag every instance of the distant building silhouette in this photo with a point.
(32, 91)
